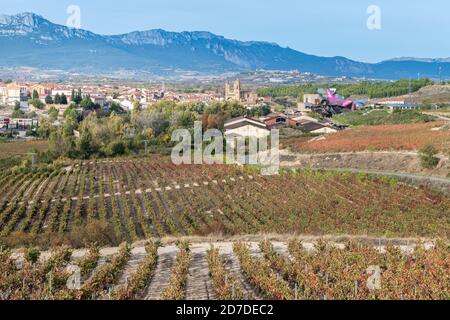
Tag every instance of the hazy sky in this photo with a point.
(324, 27)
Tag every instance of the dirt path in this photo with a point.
(402, 165)
(199, 286)
(137, 255)
(383, 161)
(437, 115)
(166, 259)
(233, 266)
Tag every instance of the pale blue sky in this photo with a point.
(416, 28)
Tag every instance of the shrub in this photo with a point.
(32, 255)
(97, 232)
(117, 148)
(428, 157)
(37, 103)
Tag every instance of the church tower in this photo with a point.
(227, 91)
(237, 90)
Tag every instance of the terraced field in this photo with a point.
(231, 271)
(151, 197)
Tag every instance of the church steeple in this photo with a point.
(237, 90)
(234, 94)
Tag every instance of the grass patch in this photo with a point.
(379, 117)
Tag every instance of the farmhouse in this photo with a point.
(246, 127)
(279, 119)
(315, 127)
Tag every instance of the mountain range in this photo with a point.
(29, 40)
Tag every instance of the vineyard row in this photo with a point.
(268, 270)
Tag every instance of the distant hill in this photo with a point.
(30, 40)
(443, 60)
(435, 94)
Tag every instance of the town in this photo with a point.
(140, 163)
(23, 105)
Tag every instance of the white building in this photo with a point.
(126, 105)
(99, 99)
(16, 92)
(15, 123)
(67, 93)
(3, 95)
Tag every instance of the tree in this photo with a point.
(136, 106)
(61, 142)
(57, 99)
(85, 144)
(53, 113)
(115, 107)
(261, 111)
(152, 119)
(87, 103)
(212, 122)
(71, 114)
(76, 96)
(49, 99)
(63, 99)
(45, 129)
(35, 95)
(185, 119)
(428, 157)
(17, 112)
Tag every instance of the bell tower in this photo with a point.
(227, 90)
(237, 90)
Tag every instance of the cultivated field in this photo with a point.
(12, 153)
(377, 138)
(230, 270)
(8, 149)
(151, 197)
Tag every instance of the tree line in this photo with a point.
(366, 88)
(95, 133)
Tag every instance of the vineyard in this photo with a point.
(405, 137)
(293, 270)
(152, 198)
